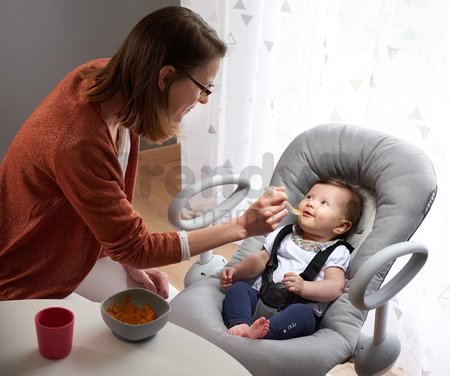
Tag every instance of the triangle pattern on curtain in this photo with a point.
(239, 5)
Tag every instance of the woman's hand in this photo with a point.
(227, 277)
(261, 217)
(265, 214)
(153, 280)
(294, 283)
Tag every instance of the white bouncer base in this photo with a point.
(209, 269)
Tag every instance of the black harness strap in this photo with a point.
(315, 266)
(272, 264)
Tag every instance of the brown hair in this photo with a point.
(169, 36)
(355, 206)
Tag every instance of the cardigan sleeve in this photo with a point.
(90, 177)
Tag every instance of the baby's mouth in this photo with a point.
(307, 214)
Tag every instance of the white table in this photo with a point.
(96, 351)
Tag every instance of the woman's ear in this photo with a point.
(343, 227)
(165, 74)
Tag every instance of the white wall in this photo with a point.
(41, 41)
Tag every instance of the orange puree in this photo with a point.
(130, 313)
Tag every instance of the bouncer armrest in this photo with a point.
(210, 216)
(208, 265)
(361, 280)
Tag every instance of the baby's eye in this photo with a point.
(324, 203)
(308, 197)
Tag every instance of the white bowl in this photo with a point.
(139, 297)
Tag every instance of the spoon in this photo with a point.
(293, 210)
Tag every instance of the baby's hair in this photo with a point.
(354, 210)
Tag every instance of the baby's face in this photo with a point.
(323, 211)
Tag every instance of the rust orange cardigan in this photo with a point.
(63, 200)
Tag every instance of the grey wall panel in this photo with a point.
(41, 41)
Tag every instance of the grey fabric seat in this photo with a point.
(400, 184)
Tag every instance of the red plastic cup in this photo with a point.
(54, 330)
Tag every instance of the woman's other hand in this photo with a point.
(153, 280)
(265, 214)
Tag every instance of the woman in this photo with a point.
(67, 180)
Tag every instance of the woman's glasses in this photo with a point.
(205, 90)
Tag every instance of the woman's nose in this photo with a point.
(203, 101)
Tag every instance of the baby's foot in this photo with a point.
(238, 330)
(258, 329)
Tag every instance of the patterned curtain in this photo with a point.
(293, 64)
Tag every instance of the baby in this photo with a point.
(326, 213)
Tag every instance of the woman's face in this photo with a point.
(184, 93)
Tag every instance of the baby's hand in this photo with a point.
(294, 283)
(227, 277)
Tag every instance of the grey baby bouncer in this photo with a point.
(400, 185)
